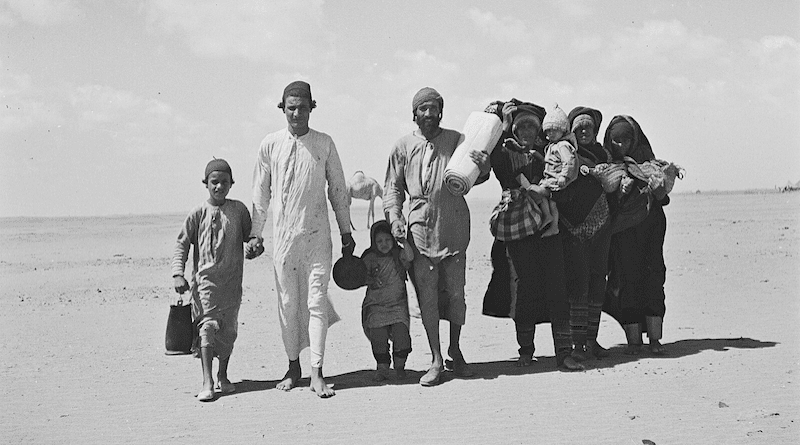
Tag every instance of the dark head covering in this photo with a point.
(595, 115)
(298, 88)
(424, 95)
(218, 165)
(381, 226)
(523, 109)
(621, 126)
(527, 107)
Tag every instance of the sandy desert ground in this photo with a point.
(86, 302)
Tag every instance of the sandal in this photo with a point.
(225, 388)
(431, 378)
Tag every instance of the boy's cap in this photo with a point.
(218, 165)
(298, 88)
(556, 118)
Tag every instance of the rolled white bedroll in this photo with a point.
(481, 132)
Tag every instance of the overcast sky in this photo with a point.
(116, 107)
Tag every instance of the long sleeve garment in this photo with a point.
(217, 234)
(291, 173)
(560, 162)
(438, 220)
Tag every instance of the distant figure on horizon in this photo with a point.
(217, 229)
(293, 168)
(367, 188)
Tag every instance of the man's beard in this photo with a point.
(428, 123)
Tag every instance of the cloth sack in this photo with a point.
(516, 216)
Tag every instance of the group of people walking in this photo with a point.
(566, 245)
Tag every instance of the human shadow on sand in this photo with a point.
(364, 378)
(677, 349)
(355, 379)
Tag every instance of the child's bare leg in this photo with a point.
(206, 359)
(291, 377)
(318, 384)
(553, 228)
(459, 364)
(544, 208)
(223, 383)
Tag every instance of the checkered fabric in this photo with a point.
(516, 216)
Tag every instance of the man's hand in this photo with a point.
(399, 231)
(513, 145)
(508, 109)
(180, 283)
(348, 244)
(253, 248)
(481, 159)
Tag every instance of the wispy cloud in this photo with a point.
(39, 12)
(280, 32)
(505, 29)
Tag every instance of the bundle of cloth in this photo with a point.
(638, 162)
(612, 174)
(481, 132)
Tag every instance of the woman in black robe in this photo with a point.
(635, 292)
(528, 278)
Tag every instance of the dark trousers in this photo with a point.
(379, 338)
(586, 264)
(541, 291)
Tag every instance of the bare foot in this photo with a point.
(292, 376)
(224, 385)
(318, 385)
(458, 364)
(207, 393)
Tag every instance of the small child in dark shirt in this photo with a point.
(384, 313)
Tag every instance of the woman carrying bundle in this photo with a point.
(635, 293)
(538, 294)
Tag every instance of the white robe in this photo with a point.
(291, 173)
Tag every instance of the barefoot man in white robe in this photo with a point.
(291, 172)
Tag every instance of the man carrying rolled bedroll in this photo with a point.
(438, 225)
(292, 170)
